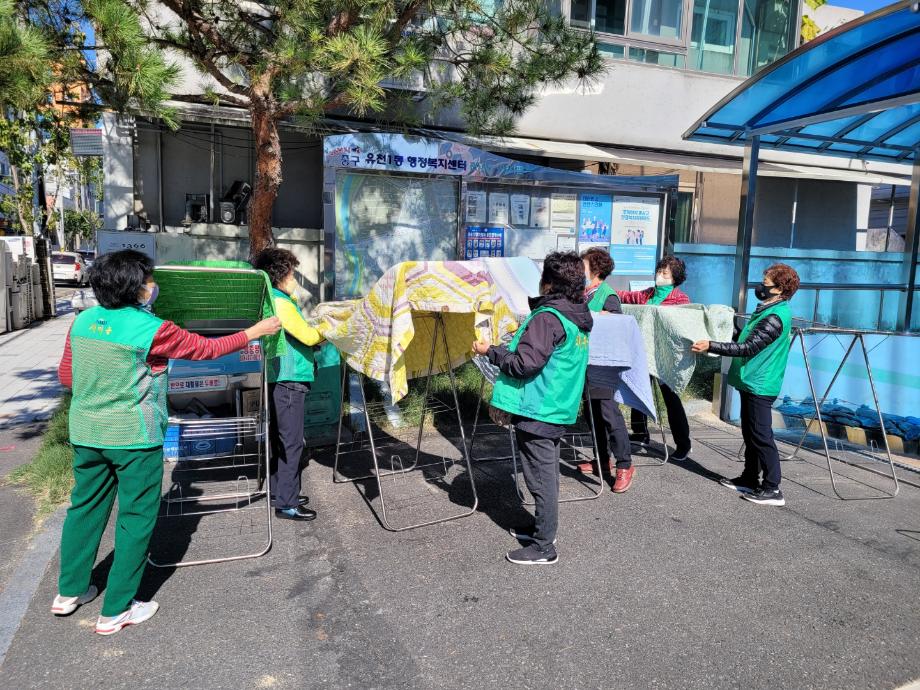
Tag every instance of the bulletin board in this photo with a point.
(390, 198)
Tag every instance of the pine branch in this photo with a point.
(406, 15)
(211, 99)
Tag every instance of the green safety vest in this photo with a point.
(763, 373)
(599, 298)
(552, 395)
(296, 364)
(118, 402)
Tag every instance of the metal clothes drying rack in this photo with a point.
(428, 406)
(856, 337)
(666, 454)
(249, 434)
(571, 445)
(576, 450)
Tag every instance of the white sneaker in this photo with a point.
(139, 612)
(64, 606)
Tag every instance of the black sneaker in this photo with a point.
(766, 497)
(740, 484)
(533, 555)
(524, 534)
(640, 439)
(681, 454)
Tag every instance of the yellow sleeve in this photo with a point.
(293, 323)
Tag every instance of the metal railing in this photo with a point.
(824, 288)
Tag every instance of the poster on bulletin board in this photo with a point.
(484, 241)
(634, 234)
(498, 208)
(475, 207)
(539, 211)
(520, 209)
(564, 209)
(595, 215)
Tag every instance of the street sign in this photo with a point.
(116, 240)
(86, 142)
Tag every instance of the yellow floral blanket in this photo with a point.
(389, 334)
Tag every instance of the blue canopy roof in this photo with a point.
(853, 92)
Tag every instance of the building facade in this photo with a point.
(668, 62)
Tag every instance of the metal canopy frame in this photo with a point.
(853, 92)
(831, 91)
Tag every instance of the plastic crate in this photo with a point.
(245, 361)
(177, 446)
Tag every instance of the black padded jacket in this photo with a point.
(764, 332)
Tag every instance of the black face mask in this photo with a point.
(762, 292)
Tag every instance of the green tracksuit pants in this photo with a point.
(100, 474)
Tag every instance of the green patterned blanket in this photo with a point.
(669, 332)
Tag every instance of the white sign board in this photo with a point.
(115, 240)
(19, 245)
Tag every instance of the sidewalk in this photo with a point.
(29, 390)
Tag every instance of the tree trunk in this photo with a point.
(268, 173)
(20, 212)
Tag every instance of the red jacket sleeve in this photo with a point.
(65, 368)
(636, 296)
(172, 342)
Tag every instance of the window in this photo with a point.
(683, 220)
(610, 16)
(656, 57)
(767, 33)
(604, 16)
(712, 36)
(721, 36)
(659, 18)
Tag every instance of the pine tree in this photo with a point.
(311, 59)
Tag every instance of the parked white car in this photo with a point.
(68, 267)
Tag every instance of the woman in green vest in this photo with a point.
(289, 379)
(115, 360)
(540, 385)
(760, 351)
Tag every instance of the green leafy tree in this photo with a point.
(309, 59)
(80, 225)
(810, 29)
(24, 80)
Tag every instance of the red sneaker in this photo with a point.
(623, 480)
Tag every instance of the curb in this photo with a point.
(25, 580)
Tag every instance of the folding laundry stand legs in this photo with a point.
(857, 337)
(577, 450)
(439, 331)
(665, 455)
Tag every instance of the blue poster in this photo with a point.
(595, 217)
(484, 242)
(634, 240)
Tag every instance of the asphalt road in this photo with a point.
(676, 584)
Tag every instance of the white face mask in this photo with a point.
(661, 281)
